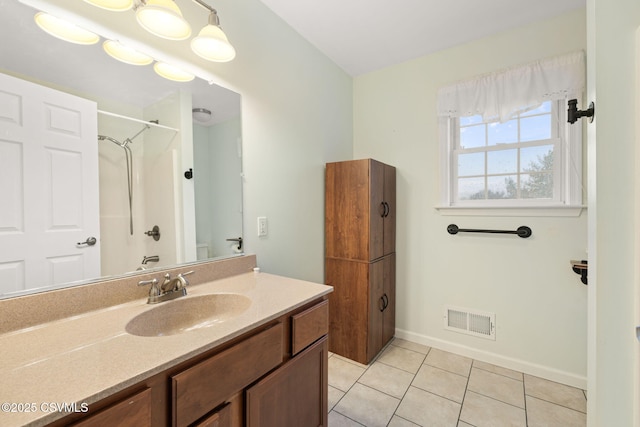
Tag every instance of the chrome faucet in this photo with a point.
(148, 259)
(175, 284)
(168, 290)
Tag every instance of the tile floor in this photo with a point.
(410, 384)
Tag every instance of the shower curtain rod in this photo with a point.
(107, 113)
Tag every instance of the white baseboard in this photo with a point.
(545, 372)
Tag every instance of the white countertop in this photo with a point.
(85, 358)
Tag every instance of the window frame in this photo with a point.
(567, 172)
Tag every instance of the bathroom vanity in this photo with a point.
(261, 364)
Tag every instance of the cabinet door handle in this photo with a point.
(385, 209)
(381, 305)
(385, 300)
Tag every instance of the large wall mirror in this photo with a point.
(160, 184)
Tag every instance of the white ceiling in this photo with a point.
(365, 35)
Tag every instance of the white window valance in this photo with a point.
(501, 94)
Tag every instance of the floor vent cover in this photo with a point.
(470, 322)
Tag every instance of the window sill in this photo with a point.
(557, 211)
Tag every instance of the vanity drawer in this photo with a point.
(199, 389)
(220, 418)
(308, 326)
(134, 411)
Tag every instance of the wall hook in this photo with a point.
(189, 174)
(573, 114)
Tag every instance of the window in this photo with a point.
(524, 156)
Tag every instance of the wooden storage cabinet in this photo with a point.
(360, 212)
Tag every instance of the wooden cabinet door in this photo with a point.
(376, 308)
(389, 238)
(348, 307)
(382, 210)
(294, 395)
(377, 210)
(347, 210)
(389, 297)
(360, 209)
(382, 323)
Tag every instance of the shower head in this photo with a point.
(115, 141)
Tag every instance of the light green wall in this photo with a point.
(296, 116)
(540, 303)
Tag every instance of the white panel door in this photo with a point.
(48, 187)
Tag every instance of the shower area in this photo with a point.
(141, 197)
(217, 180)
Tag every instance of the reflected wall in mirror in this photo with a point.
(130, 136)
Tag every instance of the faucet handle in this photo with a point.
(182, 282)
(155, 290)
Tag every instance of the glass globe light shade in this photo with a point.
(163, 19)
(65, 30)
(172, 73)
(114, 5)
(126, 54)
(212, 44)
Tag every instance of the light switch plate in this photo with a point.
(262, 226)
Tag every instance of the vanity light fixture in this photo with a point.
(114, 5)
(212, 43)
(201, 114)
(172, 73)
(126, 54)
(65, 30)
(163, 18)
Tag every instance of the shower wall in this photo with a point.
(169, 195)
(218, 186)
(155, 193)
(121, 251)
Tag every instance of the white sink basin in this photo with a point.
(188, 314)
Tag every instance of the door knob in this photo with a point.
(89, 242)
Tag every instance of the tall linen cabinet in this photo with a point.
(360, 262)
